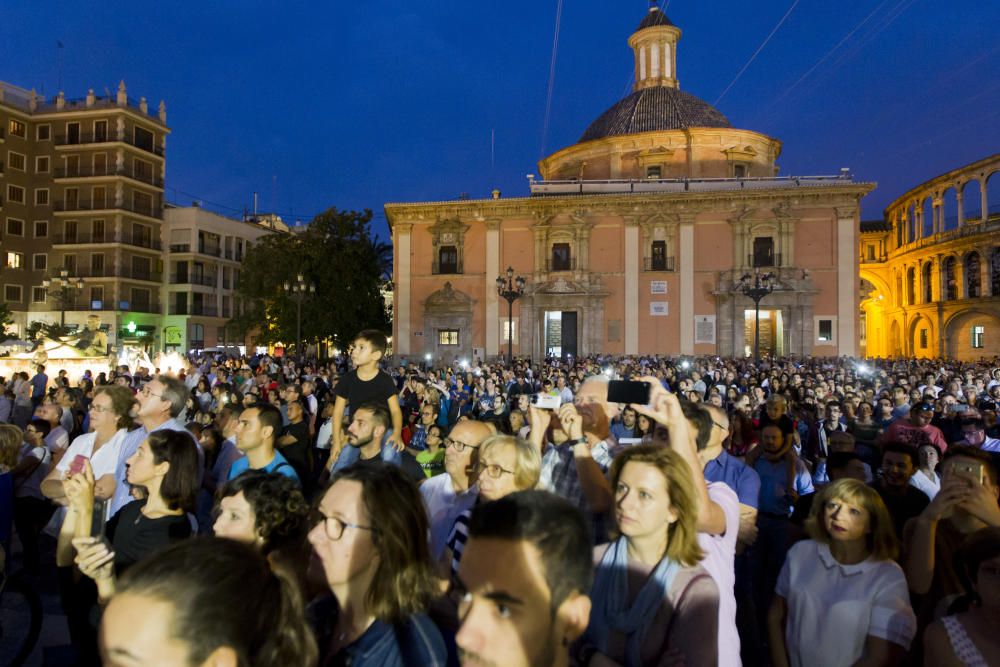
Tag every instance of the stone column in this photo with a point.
(632, 259)
(984, 200)
(401, 307)
(493, 269)
(958, 198)
(685, 310)
(847, 272)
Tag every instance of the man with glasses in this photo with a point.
(160, 401)
(447, 496)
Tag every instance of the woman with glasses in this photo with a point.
(370, 547)
(506, 464)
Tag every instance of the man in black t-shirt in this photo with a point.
(294, 441)
(367, 383)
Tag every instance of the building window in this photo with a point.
(143, 139)
(911, 285)
(97, 231)
(97, 265)
(658, 257)
(39, 295)
(15, 227)
(978, 331)
(72, 133)
(43, 132)
(925, 277)
(739, 171)
(923, 339)
(197, 337)
(561, 259)
(654, 171)
(42, 164)
(97, 298)
(12, 293)
(100, 131)
(16, 161)
(15, 194)
(17, 129)
(14, 260)
(42, 197)
(870, 252)
(39, 262)
(41, 229)
(763, 251)
(140, 300)
(950, 284)
(69, 263)
(448, 259)
(447, 336)
(972, 284)
(825, 328)
(995, 272)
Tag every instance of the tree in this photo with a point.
(338, 254)
(6, 318)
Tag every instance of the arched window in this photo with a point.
(948, 278)
(926, 280)
(898, 296)
(911, 286)
(995, 272)
(972, 284)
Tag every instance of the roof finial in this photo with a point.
(654, 5)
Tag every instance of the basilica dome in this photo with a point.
(652, 110)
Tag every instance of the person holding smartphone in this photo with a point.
(966, 503)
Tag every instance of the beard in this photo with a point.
(355, 441)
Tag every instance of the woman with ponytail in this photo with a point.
(208, 601)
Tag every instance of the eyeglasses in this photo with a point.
(99, 409)
(145, 391)
(492, 469)
(334, 527)
(458, 445)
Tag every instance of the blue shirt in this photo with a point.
(774, 491)
(278, 464)
(737, 475)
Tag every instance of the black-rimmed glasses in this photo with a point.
(458, 445)
(493, 470)
(334, 527)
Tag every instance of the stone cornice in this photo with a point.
(542, 209)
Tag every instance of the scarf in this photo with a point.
(610, 600)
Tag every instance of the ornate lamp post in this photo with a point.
(510, 289)
(297, 292)
(756, 286)
(62, 288)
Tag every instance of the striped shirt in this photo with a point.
(457, 538)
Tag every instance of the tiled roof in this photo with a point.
(875, 226)
(652, 18)
(653, 109)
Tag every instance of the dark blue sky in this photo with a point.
(329, 103)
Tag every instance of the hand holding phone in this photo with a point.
(628, 391)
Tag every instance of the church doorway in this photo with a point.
(771, 329)
(560, 333)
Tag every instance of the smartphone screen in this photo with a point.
(97, 519)
(628, 391)
(76, 467)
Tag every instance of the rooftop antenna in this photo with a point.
(255, 206)
(59, 64)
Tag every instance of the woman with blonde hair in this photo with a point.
(840, 597)
(506, 464)
(650, 596)
(10, 451)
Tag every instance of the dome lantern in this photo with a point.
(654, 44)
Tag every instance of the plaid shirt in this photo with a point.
(559, 476)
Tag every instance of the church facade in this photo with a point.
(634, 240)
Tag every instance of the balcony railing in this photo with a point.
(141, 241)
(82, 239)
(212, 251)
(207, 281)
(543, 187)
(877, 259)
(657, 263)
(448, 268)
(108, 304)
(107, 204)
(180, 247)
(553, 265)
(139, 274)
(108, 170)
(84, 138)
(774, 260)
(194, 309)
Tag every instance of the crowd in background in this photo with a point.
(361, 510)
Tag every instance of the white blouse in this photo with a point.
(832, 608)
(928, 485)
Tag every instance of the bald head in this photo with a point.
(471, 432)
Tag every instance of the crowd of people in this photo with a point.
(278, 511)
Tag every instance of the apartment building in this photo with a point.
(81, 204)
(203, 253)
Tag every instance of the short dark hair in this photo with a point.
(380, 413)
(268, 415)
(900, 448)
(974, 421)
(180, 484)
(375, 338)
(553, 526)
(41, 426)
(702, 421)
(839, 460)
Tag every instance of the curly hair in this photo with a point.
(281, 513)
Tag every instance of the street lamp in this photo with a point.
(297, 292)
(756, 286)
(62, 288)
(511, 289)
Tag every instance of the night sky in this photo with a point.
(330, 103)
